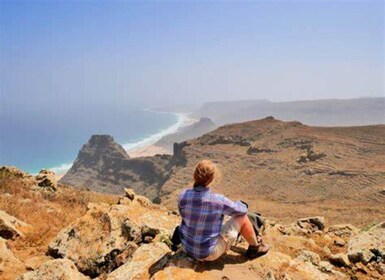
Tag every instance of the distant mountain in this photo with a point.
(327, 112)
(197, 129)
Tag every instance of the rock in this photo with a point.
(14, 171)
(339, 260)
(144, 201)
(308, 256)
(368, 245)
(124, 201)
(8, 261)
(310, 155)
(47, 179)
(344, 230)
(382, 191)
(35, 262)
(130, 194)
(146, 261)
(326, 251)
(10, 227)
(312, 223)
(325, 266)
(95, 240)
(255, 150)
(61, 269)
(339, 242)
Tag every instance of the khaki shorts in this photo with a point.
(227, 237)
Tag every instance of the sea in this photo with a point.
(34, 140)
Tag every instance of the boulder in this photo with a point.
(61, 269)
(14, 171)
(130, 194)
(308, 256)
(368, 245)
(146, 261)
(339, 260)
(312, 224)
(344, 230)
(95, 240)
(11, 227)
(47, 179)
(7, 259)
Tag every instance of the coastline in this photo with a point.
(144, 147)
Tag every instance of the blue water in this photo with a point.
(32, 140)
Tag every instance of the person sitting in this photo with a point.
(202, 232)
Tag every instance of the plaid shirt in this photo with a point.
(202, 214)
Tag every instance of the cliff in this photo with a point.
(103, 165)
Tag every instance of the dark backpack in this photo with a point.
(256, 220)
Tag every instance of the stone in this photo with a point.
(367, 245)
(144, 201)
(60, 269)
(14, 171)
(343, 230)
(146, 261)
(47, 179)
(308, 256)
(8, 261)
(35, 262)
(326, 250)
(339, 259)
(339, 242)
(312, 223)
(130, 194)
(95, 240)
(11, 227)
(325, 266)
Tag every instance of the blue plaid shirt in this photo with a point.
(202, 214)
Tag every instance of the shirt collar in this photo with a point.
(200, 188)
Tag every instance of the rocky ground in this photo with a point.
(128, 237)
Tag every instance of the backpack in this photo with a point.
(256, 220)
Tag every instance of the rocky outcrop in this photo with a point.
(14, 171)
(310, 155)
(95, 240)
(61, 269)
(368, 245)
(11, 227)
(47, 180)
(146, 261)
(103, 165)
(107, 236)
(8, 260)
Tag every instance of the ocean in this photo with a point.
(34, 140)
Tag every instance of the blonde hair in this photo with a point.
(204, 173)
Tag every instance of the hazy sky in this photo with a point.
(108, 53)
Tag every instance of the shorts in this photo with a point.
(226, 239)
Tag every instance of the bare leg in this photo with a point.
(247, 230)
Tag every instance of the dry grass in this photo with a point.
(47, 212)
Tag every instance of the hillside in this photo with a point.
(104, 237)
(284, 169)
(287, 169)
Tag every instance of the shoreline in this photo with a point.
(145, 146)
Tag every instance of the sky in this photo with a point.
(64, 55)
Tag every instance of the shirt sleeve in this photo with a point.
(233, 208)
